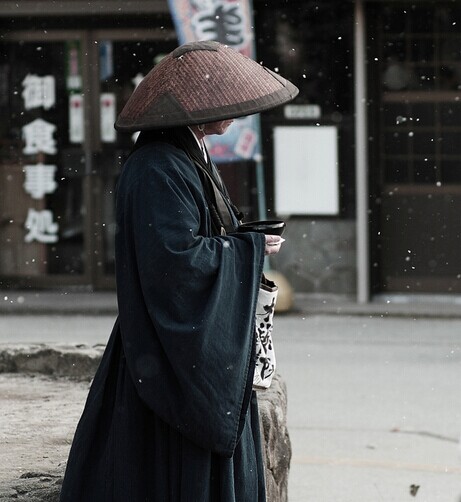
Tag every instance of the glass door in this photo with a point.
(42, 161)
(123, 59)
(60, 155)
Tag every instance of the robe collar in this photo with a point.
(201, 144)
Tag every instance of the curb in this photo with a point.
(40, 302)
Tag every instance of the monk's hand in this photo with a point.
(273, 244)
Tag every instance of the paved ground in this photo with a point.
(374, 408)
(374, 403)
(36, 423)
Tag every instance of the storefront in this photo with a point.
(414, 67)
(364, 163)
(61, 90)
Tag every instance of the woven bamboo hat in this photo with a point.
(202, 82)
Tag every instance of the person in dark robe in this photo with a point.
(171, 415)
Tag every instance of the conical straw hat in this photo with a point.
(202, 82)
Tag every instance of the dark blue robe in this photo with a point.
(171, 415)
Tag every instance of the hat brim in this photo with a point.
(200, 83)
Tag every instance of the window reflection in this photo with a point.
(416, 53)
(42, 166)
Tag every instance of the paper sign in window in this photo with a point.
(107, 105)
(306, 170)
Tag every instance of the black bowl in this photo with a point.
(268, 227)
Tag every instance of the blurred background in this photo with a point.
(364, 165)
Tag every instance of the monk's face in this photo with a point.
(217, 127)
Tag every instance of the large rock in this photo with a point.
(275, 439)
(34, 487)
(80, 363)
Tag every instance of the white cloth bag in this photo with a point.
(265, 355)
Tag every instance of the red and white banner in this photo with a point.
(229, 22)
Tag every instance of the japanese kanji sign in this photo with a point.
(40, 180)
(226, 21)
(38, 137)
(39, 92)
(41, 227)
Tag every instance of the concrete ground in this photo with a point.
(374, 408)
(374, 402)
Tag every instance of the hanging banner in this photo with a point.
(225, 21)
(229, 22)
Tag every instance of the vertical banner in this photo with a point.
(229, 22)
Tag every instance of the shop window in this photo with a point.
(417, 59)
(41, 165)
(60, 155)
(415, 155)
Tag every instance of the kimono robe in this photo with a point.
(171, 415)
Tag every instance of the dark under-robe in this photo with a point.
(171, 415)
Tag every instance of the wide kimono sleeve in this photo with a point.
(186, 300)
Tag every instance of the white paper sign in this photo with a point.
(107, 106)
(308, 112)
(76, 119)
